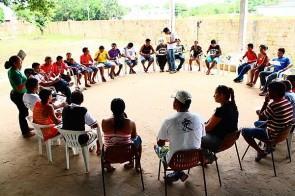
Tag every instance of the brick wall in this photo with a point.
(274, 32)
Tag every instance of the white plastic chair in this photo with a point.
(39, 134)
(71, 139)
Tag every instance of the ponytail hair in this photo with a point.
(11, 62)
(228, 93)
(232, 96)
(118, 108)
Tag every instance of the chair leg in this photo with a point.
(102, 174)
(273, 164)
(86, 158)
(165, 180)
(204, 178)
(159, 171)
(245, 152)
(67, 157)
(141, 177)
(40, 146)
(290, 142)
(288, 148)
(238, 156)
(217, 171)
(48, 150)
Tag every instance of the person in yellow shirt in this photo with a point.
(102, 60)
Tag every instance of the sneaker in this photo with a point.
(237, 80)
(172, 177)
(29, 134)
(262, 93)
(260, 156)
(172, 72)
(183, 176)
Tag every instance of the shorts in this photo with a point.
(91, 69)
(149, 58)
(87, 138)
(210, 59)
(162, 152)
(137, 141)
(131, 62)
(106, 64)
(116, 62)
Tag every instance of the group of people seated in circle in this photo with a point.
(183, 130)
(259, 66)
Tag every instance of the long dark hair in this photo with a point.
(118, 108)
(228, 93)
(11, 62)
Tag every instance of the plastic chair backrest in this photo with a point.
(186, 159)
(229, 141)
(282, 136)
(37, 127)
(119, 153)
(71, 137)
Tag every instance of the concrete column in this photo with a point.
(172, 15)
(243, 24)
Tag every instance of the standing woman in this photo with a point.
(17, 81)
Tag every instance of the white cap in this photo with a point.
(182, 96)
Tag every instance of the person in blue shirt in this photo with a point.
(266, 77)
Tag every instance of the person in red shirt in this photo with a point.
(59, 68)
(262, 62)
(47, 67)
(245, 67)
(86, 60)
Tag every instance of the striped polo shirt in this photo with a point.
(279, 115)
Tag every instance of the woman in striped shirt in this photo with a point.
(274, 117)
(120, 130)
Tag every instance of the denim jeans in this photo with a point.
(171, 59)
(266, 77)
(242, 70)
(181, 59)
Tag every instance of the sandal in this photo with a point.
(129, 165)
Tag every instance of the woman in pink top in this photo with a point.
(120, 130)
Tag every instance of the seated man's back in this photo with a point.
(183, 130)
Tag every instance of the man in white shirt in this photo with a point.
(130, 57)
(182, 130)
(31, 96)
(171, 45)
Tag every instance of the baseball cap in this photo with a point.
(182, 96)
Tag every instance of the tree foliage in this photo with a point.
(228, 7)
(97, 10)
(39, 12)
(1, 15)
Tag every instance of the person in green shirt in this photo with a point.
(17, 81)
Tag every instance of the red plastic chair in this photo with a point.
(227, 143)
(119, 154)
(282, 136)
(183, 160)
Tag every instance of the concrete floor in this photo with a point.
(147, 97)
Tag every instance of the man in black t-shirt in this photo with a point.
(213, 54)
(75, 117)
(161, 55)
(146, 52)
(195, 53)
